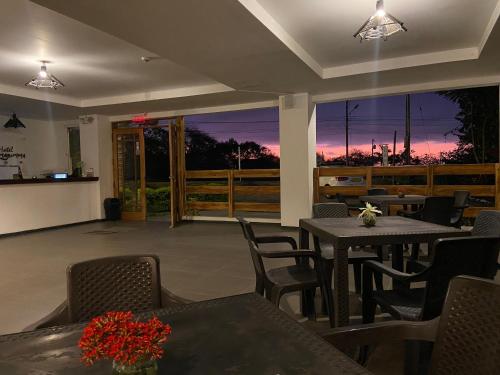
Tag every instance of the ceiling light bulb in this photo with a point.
(42, 74)
(380, 13)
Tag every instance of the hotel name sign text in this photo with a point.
(7, 152)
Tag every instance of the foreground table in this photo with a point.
(236, 335)
(385, 201)
(344, 233)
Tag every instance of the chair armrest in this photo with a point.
(287, 253)
(392, 273)
(461, 207)
(168, 298)
(378, 333)
(277, 239)
(58, 317)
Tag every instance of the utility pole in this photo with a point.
(407, 152)
(347, 114)
(373, 148)
(347, 132)
(239, 157)
(394, 148)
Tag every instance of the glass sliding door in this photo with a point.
(130, 172)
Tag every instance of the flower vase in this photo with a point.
(369, 219)
(143, 368)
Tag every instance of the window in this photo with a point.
(75, 157)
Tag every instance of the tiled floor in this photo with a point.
(199, 260)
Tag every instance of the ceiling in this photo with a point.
(325, 28)
(223, 52)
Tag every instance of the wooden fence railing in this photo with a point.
(425, 181)
(226, 184)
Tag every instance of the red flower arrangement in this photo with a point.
(118, 336)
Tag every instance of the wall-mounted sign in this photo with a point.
(7, 152)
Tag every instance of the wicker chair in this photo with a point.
(274, 283)
(436, 210)
(356, 258)
(472, 256)
(461, 202)
(120, 283)
(487, 223)
(465, 337)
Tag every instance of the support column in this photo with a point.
(297, 157)
(97, 153)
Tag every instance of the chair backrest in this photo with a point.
(325, 210)
(377, 191)
(468, 339)
(471, 256)
(247, 229)
(438, 210)
(487, 224)
(258, 264)
(123, 283)
(461, 200)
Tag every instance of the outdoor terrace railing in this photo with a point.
(250, 190)
(482, 180)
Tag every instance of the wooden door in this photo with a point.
(130, 172)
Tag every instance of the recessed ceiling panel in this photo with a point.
(325, 28)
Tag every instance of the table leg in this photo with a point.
(397, 257)
(397, 263)
(341, 287)
(306, 297)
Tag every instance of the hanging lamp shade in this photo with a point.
(380, 26)
(14, 123)
(44, 79)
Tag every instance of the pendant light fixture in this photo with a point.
(14, 123)
(379, 26)
(44, 79)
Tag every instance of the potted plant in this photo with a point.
(133, 346)
(369, 214)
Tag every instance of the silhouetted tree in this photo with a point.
(478, 132)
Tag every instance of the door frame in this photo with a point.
(139, 215)
(177, 164)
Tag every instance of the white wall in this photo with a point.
(45, 144)
(297, 158)
(97, 153)
(42, 205)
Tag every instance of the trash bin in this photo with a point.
(112, 209)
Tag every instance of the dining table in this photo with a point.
(383, 202)
(243, 334)
(350, 232)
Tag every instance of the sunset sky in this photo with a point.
(432, 117)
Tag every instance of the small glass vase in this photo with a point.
(369, 220)
(143, 368)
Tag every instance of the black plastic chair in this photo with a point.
(377, 191)
(122, 283)
(355, 257)
(465, 337)
(436, 210)
(487, 223)
(275, 282)
(472, 256)
(461, 203)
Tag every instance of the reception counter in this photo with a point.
(31, 204)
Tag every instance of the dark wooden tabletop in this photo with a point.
(236, 335)
(345, 232)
